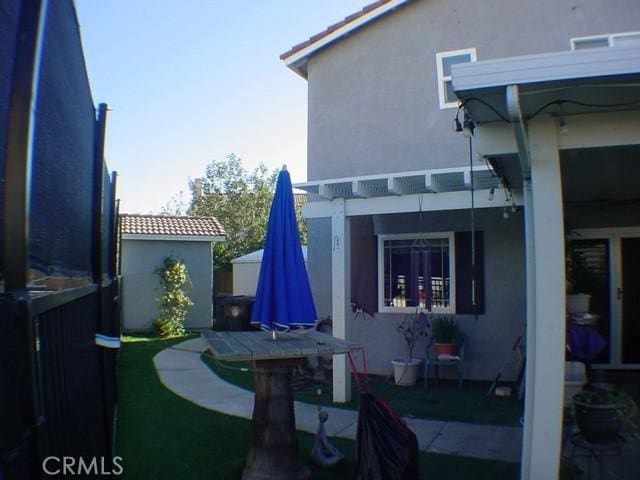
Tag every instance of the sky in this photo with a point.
(191, 81)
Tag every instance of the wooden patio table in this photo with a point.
(273, 447)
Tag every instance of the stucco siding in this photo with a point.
(141, 286)
(319, 264)
(489, 337)
(373, 98)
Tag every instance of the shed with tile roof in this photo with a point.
(146, 240)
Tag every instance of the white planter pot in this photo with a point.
(406, 373)
(578, 303)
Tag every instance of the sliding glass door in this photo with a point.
(606, 265)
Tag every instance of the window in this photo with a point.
(401, 272)
(444, 61)
(603, 41)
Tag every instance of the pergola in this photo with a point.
(529, 110)
(403, 192)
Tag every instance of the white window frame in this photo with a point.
(414, 236)
(442, 78)
(610, 37)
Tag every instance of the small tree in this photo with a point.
(411, 328)
(174, 303)
(240, 200)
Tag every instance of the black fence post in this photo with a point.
(113, 244)
(17, 185)
(101, 230)
(118, 241)
(98, 195)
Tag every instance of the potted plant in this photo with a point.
(446, 335)
(602, 412)
(412, 327)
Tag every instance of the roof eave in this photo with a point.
(300, 67)
(297, 58)
(174, 238)
(582, 72)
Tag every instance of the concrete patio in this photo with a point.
(181, 370)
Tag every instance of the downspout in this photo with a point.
(522, 140)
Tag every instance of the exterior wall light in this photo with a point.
(564, 129)
(468, 126)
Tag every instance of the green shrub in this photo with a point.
(174, 303)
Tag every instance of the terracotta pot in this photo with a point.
(445, 348)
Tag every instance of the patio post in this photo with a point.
(341, 294)
(546, 328)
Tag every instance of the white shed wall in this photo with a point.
(141, 286)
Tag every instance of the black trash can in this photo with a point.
(237, 312)
(233, 313)
(220, 322)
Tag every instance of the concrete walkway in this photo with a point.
(182, 371)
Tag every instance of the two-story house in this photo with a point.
(551, 87)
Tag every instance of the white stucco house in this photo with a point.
(550, 91)
(145, 242)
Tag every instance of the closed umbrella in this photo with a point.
(283, 296)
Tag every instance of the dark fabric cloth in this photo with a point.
(62, 209)
(386, 447)
(584, 342)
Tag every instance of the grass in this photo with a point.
(162, 436)
(444, 402)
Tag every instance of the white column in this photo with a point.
(341, 295)
(525, 465)
(546, 329)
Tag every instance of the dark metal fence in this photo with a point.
(58, 255)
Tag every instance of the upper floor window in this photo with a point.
(611, 40)
(416, 271)
(444, 61)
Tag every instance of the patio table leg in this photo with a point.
(273, 448)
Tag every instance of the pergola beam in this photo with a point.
(411, 203)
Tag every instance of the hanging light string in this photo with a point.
(473, 229)
(419, 245)
(559, 102)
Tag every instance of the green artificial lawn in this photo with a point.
(442, 402)
(162, 436)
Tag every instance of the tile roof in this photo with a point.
(332, 28)
(170, 225)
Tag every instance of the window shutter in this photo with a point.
(464, 302)
(364, 264)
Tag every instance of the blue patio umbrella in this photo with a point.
(283, 296)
